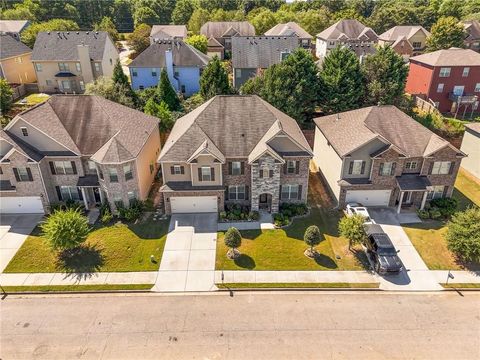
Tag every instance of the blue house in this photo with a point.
(183, 63)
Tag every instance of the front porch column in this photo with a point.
(424, 200)
(400, 202)
(102, 199)
(84, 195)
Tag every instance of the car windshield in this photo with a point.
(387, 251)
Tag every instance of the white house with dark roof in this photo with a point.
(65, 61)
(168, 32)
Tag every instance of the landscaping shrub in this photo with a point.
(237, 212)
(254, 215)
(65, 229)
(435, 213)
(423, 214)
(446, 206)
(312, 237)
(131, 213)
(280, 220)
(291, 209)
(106, 217)
(463, 234)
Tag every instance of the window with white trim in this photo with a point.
(78, 66)
(63, 66)
(112, 172)
(477, 87)
(236, 168)
(236, 192)
(91, 165)
(466, 71)
(24, 131)
(63, 167)
(177, 170)
(48, 82)
(411, 165)
(132, 196)
(134, 73)
(357, 167)
(417, 45)
(206, 173)
(127, 171)
(441, 167)
(289, 192)
(291, 166)
(154, 72)
(66, 84)
(440, 88)
(69, 193)
(82, 85)
(386, 169)
(97, 67)
(436, 192)
(38, 67)
(444, 72)
(23, 174)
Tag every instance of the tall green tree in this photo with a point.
(314, 21)
(139, 39)
(106, 88)
(5, 96)
(214, 80)
(121, 80)
(198, 18)
(341, 81)
(385, 75)
(107, 25)
(446, 33)
(162, 112)
(153, 11)
(463, 234)
(199, 42)
(263, 21)
(183, 11)
(29, 36)
(145, 15)
(122, 15)
(166, 93)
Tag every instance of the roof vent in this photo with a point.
(78, 32)
(87, 32)
(68, 32)
(96, 32)
(48, 32)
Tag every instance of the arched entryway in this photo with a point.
(265, 202)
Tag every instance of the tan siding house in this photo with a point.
(15, 61)
(471, 147)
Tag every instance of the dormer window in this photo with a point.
(24, 131)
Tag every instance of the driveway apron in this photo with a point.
(188, 261)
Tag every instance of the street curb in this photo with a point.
(77, 292)
(298, 289)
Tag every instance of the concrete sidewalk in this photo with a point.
(460, 276)
(99, 278)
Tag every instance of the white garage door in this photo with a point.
(24, 204)
(193, 204)
(369, 197)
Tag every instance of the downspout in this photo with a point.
(43, 183)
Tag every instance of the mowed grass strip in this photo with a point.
(62, 288)
(119, 247)
(298, 285)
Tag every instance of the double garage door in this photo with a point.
(193, 204)
(369, 197)
(21, 204)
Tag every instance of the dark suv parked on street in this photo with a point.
(382, 252)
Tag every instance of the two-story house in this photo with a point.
(220, 34)
(292, 29)
(379, 156)
(15, 61)
(168, 32)
(76, 147)
(449, 78)
(234, 149)
(348, 33)
(14, 28)
(65, 61)
(253, 54)
(184, 65)
(472, 39)
(407, 40)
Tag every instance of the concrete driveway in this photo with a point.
(415, 276)
(14, 229)
(188, 261)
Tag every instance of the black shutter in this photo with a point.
(52, 168)
(199, 174)
(226, 192)
(80, 194)
(29, 173)
(299, 192)
(380, 169)
(363, 168)
(15, 172)
(212, 173)
(350, 167)
(246, 192)
(392, 172)
(182, 170)
(59, 193)
(285, 167)
(260, 174)
(452, 166)
(280, 197)
(74, 167)
(229, 168)
(172, 170)
(430, 168)
(242, 168)
(297, 167)
(270, 173)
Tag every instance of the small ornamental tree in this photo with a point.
(199, 42)
(66, 229)
(352, 229)
(139, 40)
(214, 80)
(233, 239)
(166, 93)
(121, 80)
(312, 237)
(463, 234)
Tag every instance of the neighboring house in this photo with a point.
(168, 32)
(472, 40)
(349, 33)
(220, 34)
(449, 78)
(184, 65)
(409, 40)
(15, 61)
(471, 147)
(65, 61)
(76, 147)
(379, 156)
(292, 29)
(13, 28)
(234, 150)
(252, 54)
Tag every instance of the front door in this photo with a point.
(407, 197)
(263, 199)
(96, 194)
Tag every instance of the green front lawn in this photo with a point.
(467, 190)
(118, 247)
(282, 249)
(64, 288)
(337, 285)
(34, 99)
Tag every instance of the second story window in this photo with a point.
(63, 167)
(63, 66)
(154, 72)
(24, 131)
(97, 67)
(441, 167)
(206, 173)
(236, 168)
(417, 45)
(444, 72)
(100, 173)
(466, 71)
(127, 170)
(91, 166)
(477, 87)
(22, 174)
(112, 172)
(38, 67)
(411, 165)
(134, 73)
(440, 88)
(387, 169)
(177, 170)
(356, 167)
(292, 167)
(78, 67)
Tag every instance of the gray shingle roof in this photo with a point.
(183, 55)
(172, 31)
(235, 124)
(13, 26)
(62, 46)
(92, 125)
(10, 47)
(288, 29)
(449, 57)
(349, 130)
(260, 51)
(217, 29)
(21, 146)
(348, 29)
(472, 27)
(402, 31)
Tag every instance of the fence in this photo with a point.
(426, 106)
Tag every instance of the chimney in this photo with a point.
(169, 67)
(83, 52)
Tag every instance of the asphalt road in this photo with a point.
(308, 325)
